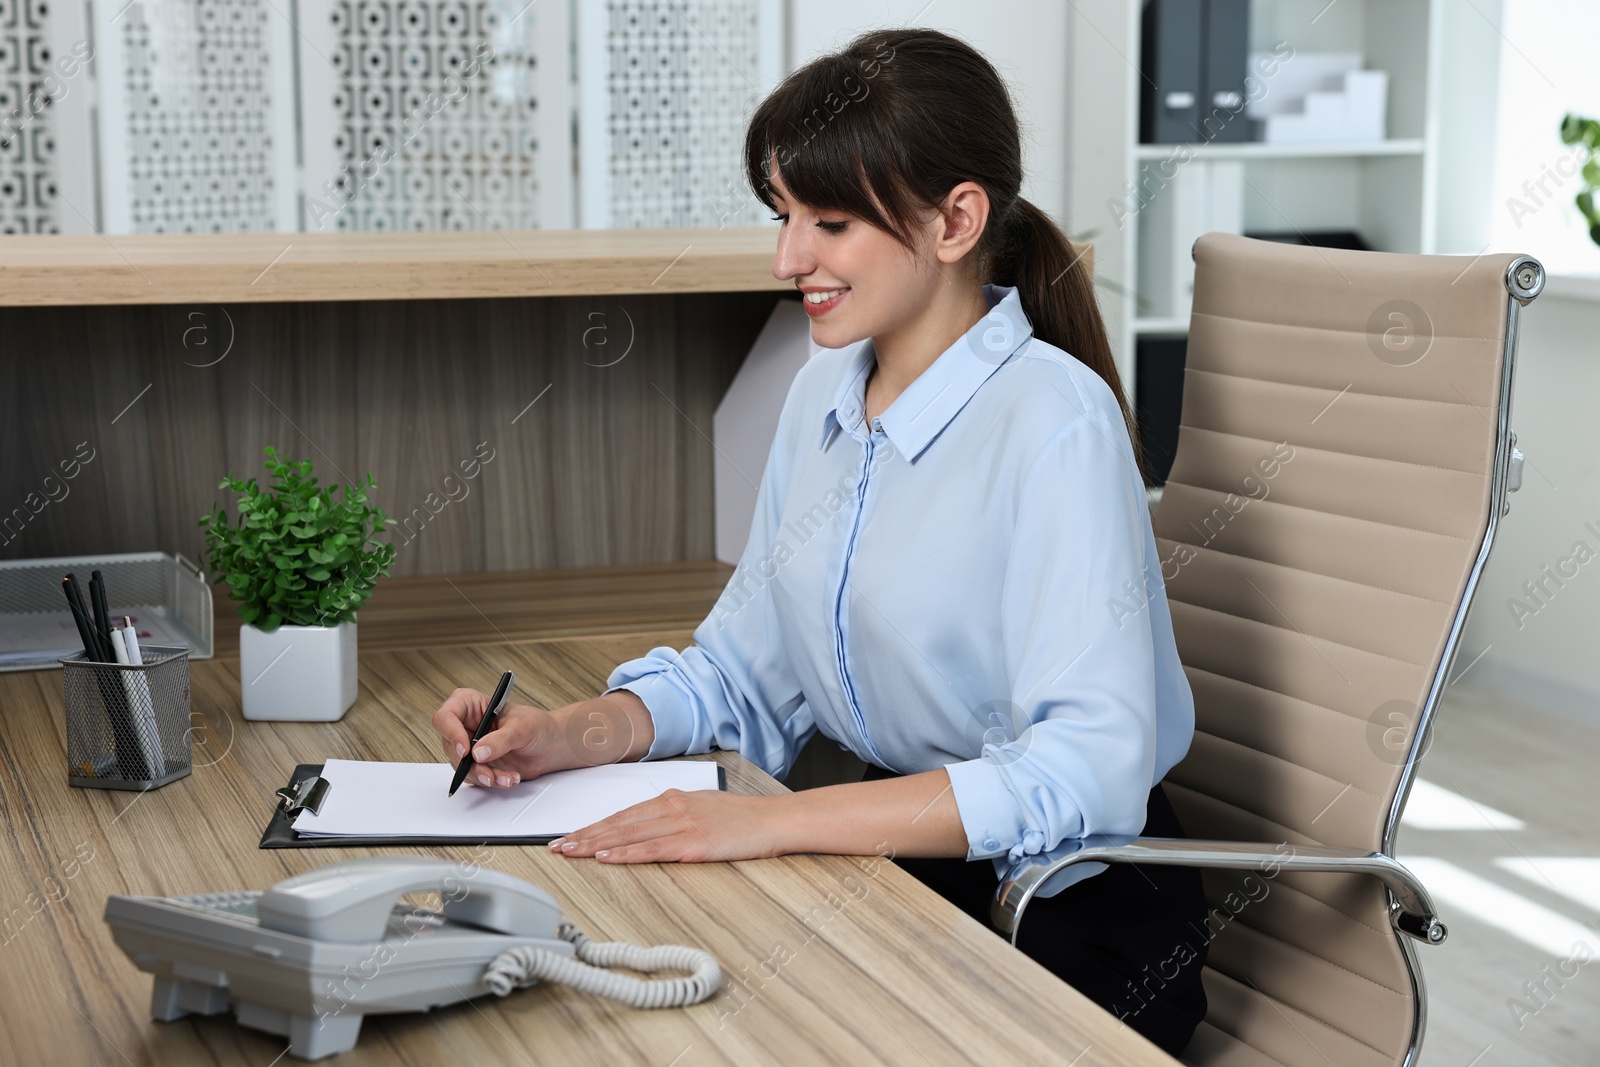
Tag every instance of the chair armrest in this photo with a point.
(1411, 909)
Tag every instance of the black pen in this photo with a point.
(97, 652)
(91, 651)
(102, 613)
(501, 692)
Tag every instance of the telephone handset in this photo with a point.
(308, 958)
(353, 901)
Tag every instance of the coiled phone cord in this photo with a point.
(519, 968)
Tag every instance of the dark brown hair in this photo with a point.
(906, 115)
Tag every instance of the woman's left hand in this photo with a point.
(679, 827)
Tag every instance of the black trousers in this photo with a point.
(1131, 938)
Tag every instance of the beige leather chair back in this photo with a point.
(1339, 469)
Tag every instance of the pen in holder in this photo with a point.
(128, 724)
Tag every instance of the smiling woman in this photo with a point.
(944, 616)
(916, 188)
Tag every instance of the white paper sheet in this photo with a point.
(373, 799)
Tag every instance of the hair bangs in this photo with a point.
(828, 153)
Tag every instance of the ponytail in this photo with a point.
(1057, 291)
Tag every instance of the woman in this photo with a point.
(951, 570)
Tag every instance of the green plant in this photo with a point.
(1575, 129)
(296, 557)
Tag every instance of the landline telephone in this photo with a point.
(308, 958)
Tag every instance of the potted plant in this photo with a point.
(299, 565)
(1575, 130)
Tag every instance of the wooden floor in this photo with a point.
(1537, 765)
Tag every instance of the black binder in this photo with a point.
(1193, 58)
(1224, 65)
(307, 789)
(1169, 59)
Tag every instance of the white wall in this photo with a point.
(1553, 655)
(1468, 114)
(1547, 68)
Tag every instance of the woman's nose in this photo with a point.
(793, 257)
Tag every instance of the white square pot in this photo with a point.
(298, 673)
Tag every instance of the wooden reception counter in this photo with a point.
(276, 267)
(575, 373)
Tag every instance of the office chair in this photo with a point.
(1344, 457)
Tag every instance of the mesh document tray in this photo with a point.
(166, 596)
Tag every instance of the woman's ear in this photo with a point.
(962, 217)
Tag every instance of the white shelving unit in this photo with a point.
(1400, 146)
(1385, 190)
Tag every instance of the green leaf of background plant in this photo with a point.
(1576, 129)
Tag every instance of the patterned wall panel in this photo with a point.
(194, 98)
(225, 115)
(437, 115)
(27, 142)
(666, 86)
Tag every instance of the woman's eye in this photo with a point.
(828, 227)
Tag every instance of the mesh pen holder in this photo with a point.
(128, 726)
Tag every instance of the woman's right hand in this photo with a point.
(527, 741)
(520, 745)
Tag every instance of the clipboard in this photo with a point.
(307, 790)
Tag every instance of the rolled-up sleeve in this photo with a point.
(1078, 755)
(735, 687)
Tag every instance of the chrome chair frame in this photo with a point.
(1411, 910)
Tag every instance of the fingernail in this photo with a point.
(461, 750)
(602, 854)
(483, 779)
(568, 846)
(516, 778)
(557, 842)
(505, 780)
(482, 754)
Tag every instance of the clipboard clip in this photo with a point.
(305, 795)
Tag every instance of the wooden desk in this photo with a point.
(528, 605)
(877, 968)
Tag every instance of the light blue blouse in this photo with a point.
(973, 584)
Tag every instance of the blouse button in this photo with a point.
(990, 844)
